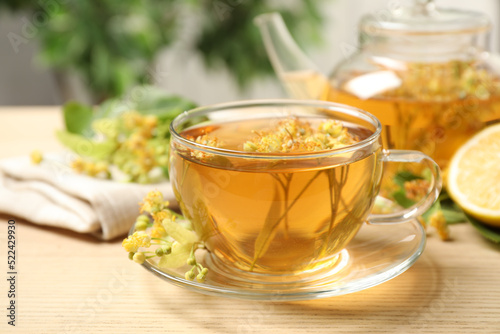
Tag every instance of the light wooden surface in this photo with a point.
(71, 283)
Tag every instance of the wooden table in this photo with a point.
(72, 283)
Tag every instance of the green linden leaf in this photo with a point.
(400, 198)
(178, 257)
(112, 108)
(106, 126)
(451, 211)
(86, 147)
(77, 118)
(404, 176)
(489, 232)
(179, 233)
(443, 196)
(154, 101)
(453, 216)
(147, 100)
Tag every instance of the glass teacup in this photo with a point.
(266, 211)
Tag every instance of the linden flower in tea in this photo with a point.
(204, 140)
(294, 135)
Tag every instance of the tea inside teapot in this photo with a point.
(425, 72)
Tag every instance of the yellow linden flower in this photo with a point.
(331, 127)
(175, 245)
(132, 119)
(208, 141)
(249, 147)
(130, 245)
(158, 231)
(416, 189)
(161, 215)
(438, 221)
(94, 169)
(146, 158)
(101, 167)
(135, 142)
(78, 165)
(294, 135)
(135, 241)
(150, 123)
(153, 202)
(313, 144)
(36, 157)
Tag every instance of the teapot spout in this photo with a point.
(298, 74)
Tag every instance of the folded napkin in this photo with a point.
(52, 194)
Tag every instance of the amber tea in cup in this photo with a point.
(280, 187)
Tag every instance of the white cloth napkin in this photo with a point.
(52, 194)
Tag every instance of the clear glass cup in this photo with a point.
(282, 217)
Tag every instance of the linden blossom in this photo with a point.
(294, 135)
(291, 135)
(134, 143)
(175, 243)
(204, 140)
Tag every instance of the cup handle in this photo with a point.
(425, 203)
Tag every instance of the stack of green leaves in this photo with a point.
(129, 135)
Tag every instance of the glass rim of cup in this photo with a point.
(336, 107)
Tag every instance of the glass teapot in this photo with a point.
(424, 71)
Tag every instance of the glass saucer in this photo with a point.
(377, 254)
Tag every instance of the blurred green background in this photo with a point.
(207, 50)
(112, 45)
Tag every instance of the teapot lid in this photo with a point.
(424, 18)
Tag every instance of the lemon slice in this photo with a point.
(474, 176)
